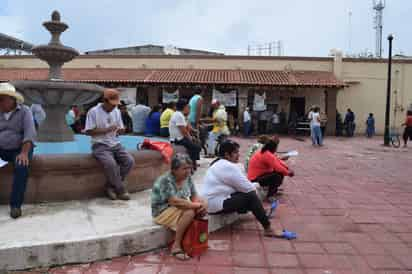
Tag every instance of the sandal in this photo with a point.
(180, 255)
(288, 235)
(273, 207)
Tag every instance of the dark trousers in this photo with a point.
(192, 149)
(262, 126)
(164, 132)
(243, 202)
(246, 128)
(20, 176)
(407, 134)
(272, 180)
(116, 162)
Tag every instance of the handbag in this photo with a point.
(195, 240)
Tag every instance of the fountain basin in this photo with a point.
(77, 176)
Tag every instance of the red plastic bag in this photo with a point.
(195, 240)
(164, 148)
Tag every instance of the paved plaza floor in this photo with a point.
(350, 204)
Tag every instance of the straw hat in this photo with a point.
(9, 90)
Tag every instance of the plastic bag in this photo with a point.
(195, 240)
(164, 148)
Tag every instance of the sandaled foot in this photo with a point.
(285, 234)
(180, 255)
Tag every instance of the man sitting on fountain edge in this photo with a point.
(17, 133)
(104, 123)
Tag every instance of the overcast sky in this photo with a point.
(306, 27)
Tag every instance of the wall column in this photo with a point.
(242, 96)
(330, 109)
(153, 95)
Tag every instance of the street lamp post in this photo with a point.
(388, 94)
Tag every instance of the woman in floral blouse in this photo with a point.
(175, 201)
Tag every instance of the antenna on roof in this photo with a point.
(378, 6)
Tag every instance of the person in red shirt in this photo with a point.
(267, 169)
(407, 134)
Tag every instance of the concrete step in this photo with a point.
(84, 231)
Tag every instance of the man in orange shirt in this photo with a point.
(267, 169)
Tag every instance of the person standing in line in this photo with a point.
(247, 122)
(317, 133)
(38, 115)
(219, 126)
(127, 120)
(407, 133)
(104, 124)
(17, 136)
(152, 127)
(275, 123)
(195, 112)
(350, 123)
(139, 115)
(323, 122)
(165, 118)
(370, 126)
(310, 117)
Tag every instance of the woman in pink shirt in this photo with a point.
(267, 169)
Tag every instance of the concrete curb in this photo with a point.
(95, 249)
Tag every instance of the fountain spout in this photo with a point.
(55, 53)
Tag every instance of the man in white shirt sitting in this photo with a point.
(180, 131)
(104, 123)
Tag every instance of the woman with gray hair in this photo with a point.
(175, 201)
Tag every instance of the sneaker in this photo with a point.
(15, 212)
(111, 194)
(124, 196)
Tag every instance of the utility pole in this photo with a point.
(388, 94)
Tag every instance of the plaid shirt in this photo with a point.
(165, 187)
(250, 153)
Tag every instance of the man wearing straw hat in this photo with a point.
(17, 133)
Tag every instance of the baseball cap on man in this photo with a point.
(112, 96)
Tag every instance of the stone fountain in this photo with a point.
(55, 95)
(60, 173)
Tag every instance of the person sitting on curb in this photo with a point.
(175, 202)
(227, 190)
(267, 169)
(261, 140)
(17, 134)
(104, 124)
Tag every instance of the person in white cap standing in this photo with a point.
(17, 134)
(219, 118)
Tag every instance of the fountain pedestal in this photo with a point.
(52, 129)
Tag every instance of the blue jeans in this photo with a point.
(316, 135)
(20, 175)
(246, 128)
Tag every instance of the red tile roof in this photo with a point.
(183, 76)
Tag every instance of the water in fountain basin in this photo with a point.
(82, 145)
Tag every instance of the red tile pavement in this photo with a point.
(350, 203)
